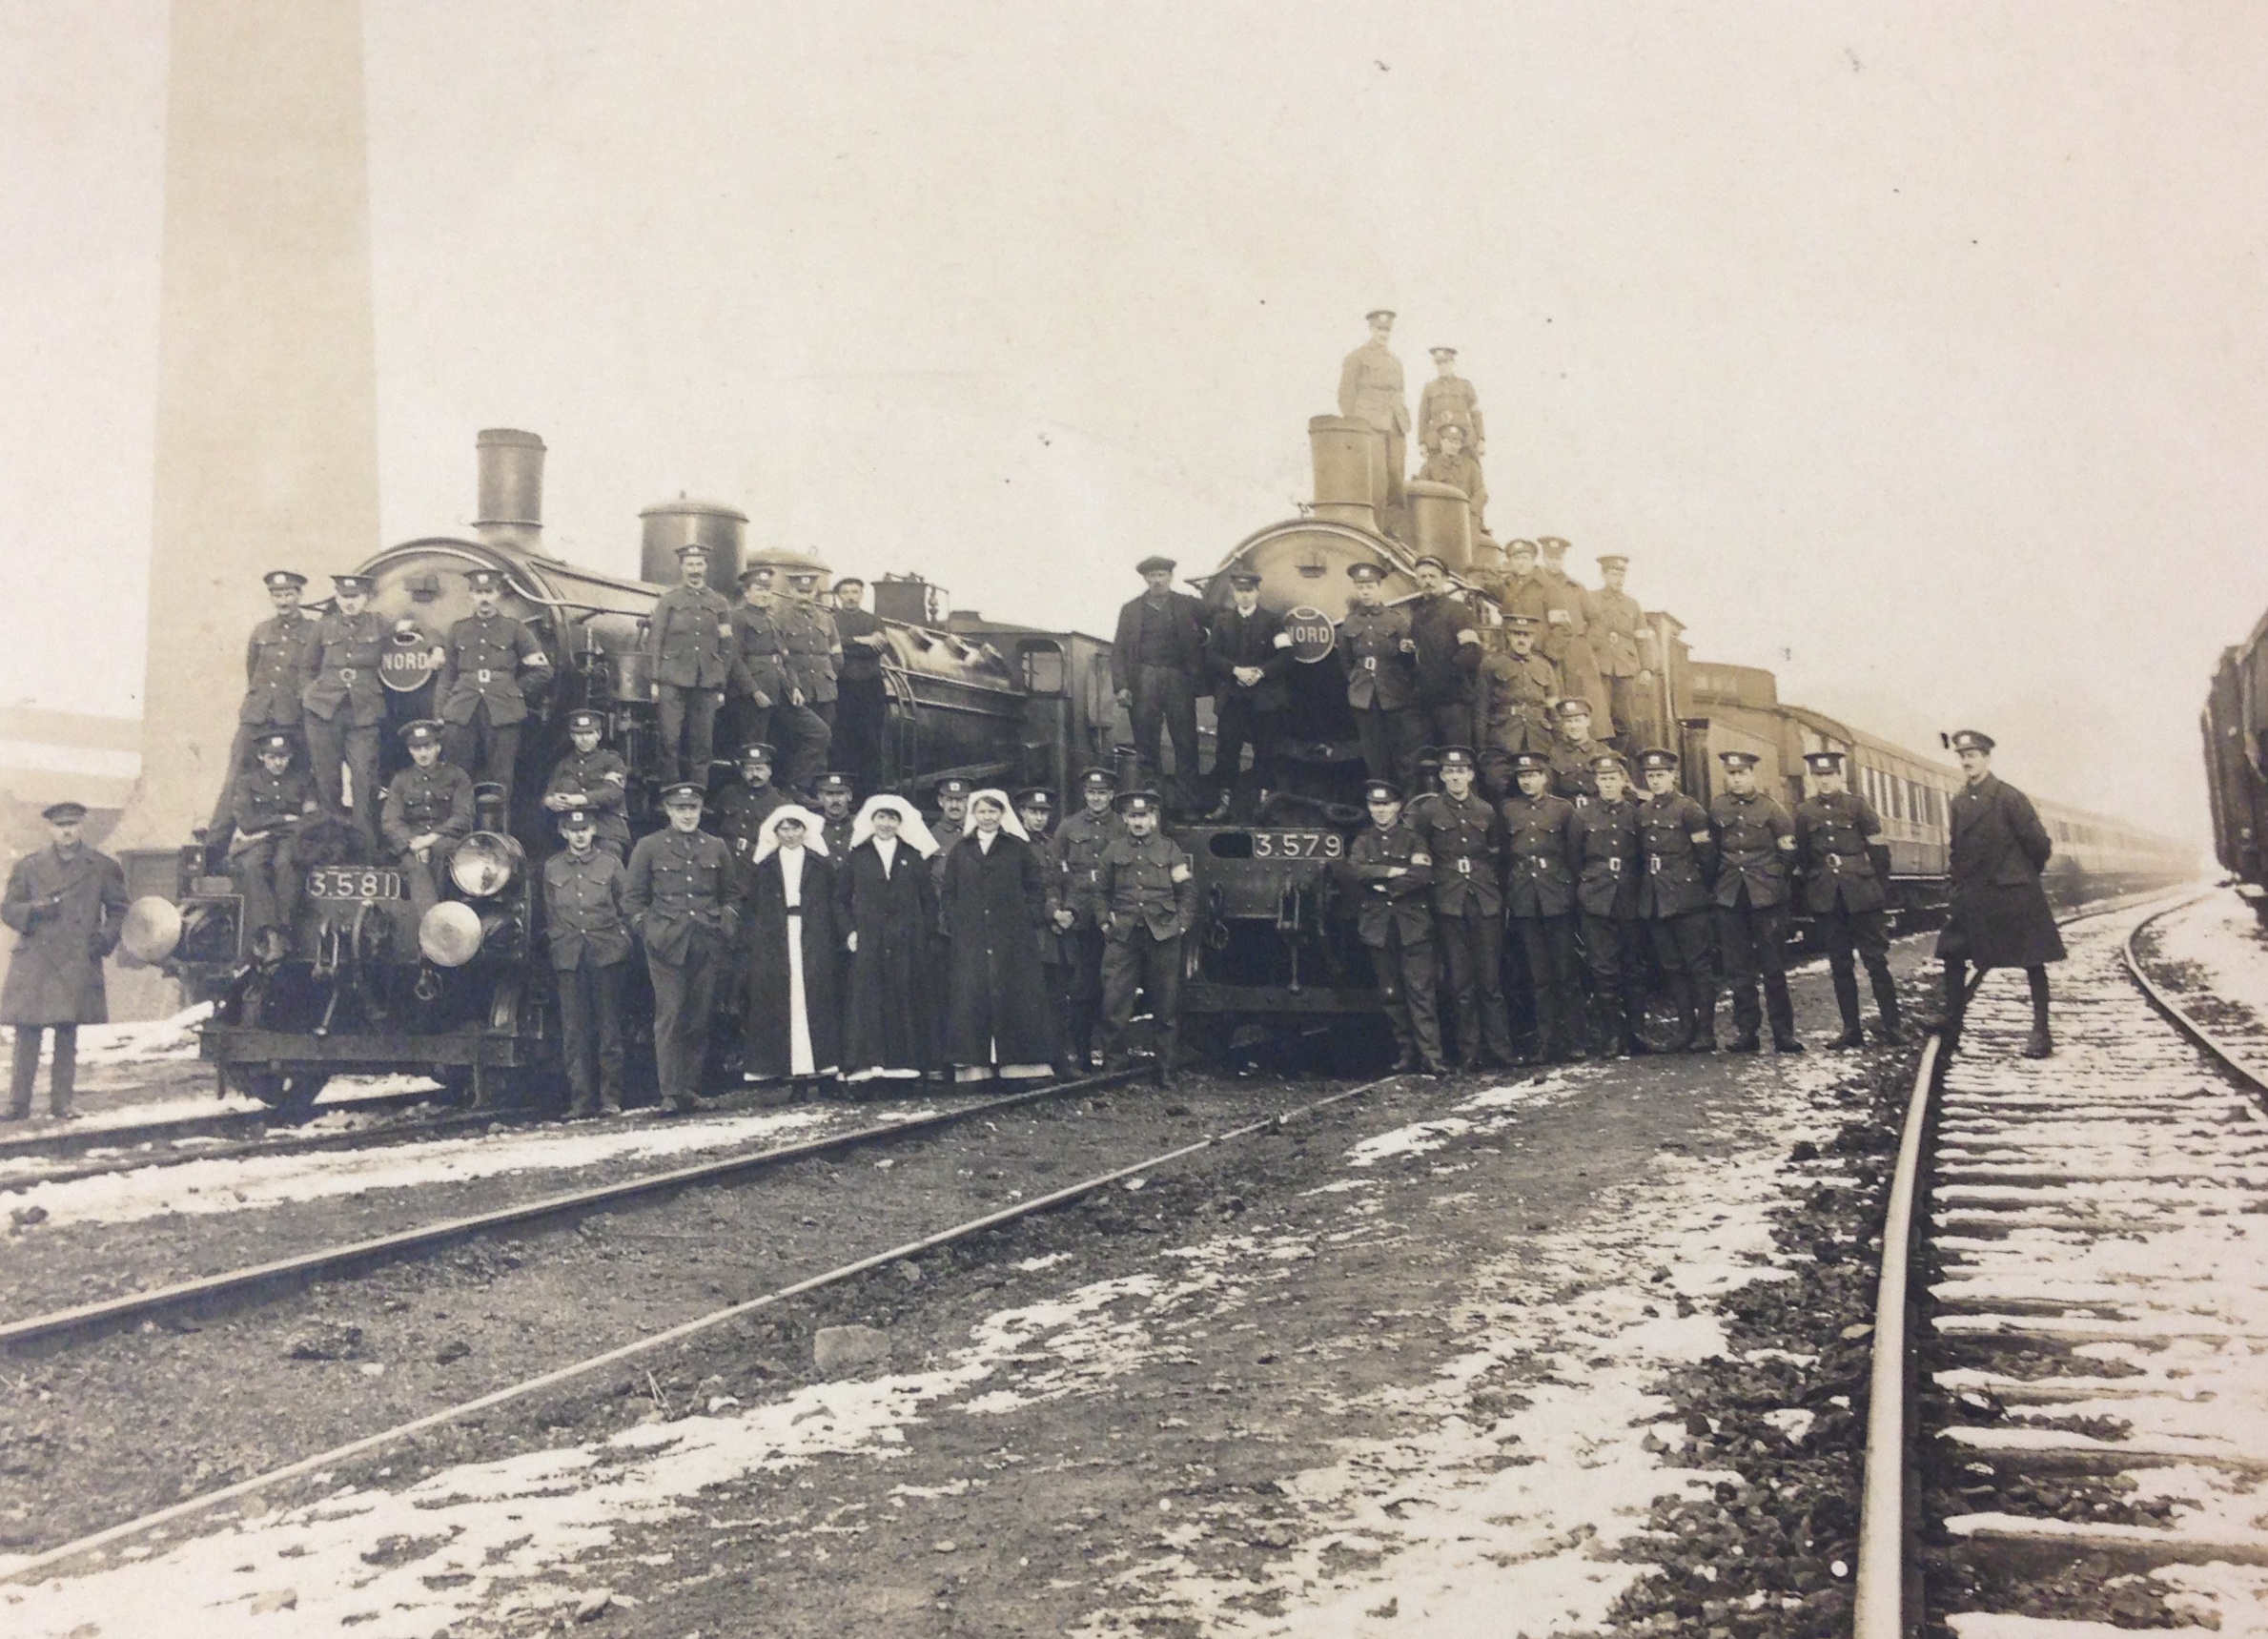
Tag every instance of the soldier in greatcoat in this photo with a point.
(1755, 848)
(741, 808)
(1603, 840)
(885, 905)
(426, 811)
(1148, 893)
(1371, 389)
(1158, 665)
(682, 900)
(593, 780)
(1379, 655)
(1447, 633)
(1249, 654)
(586, 930)
(1078, 846)
(67, 902)
(1843, 854)
(792, 998)
(1678, 849)
(1570, 619)
(1515, 687)
(1624, 645)
(688, 644)
(278, 659)
(1466, 840)
(1540, 897)
(1999, 917)
(272, 799)
(991, 904)
(346, 704)
(483, 699)
(1390, 876)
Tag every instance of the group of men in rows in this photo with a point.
(1587, 876)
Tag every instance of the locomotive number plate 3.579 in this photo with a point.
(1297, 845)
(353, 882)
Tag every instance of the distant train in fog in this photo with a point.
(2234, 724)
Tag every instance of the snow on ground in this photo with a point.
(143, 1041)
(2222, 937)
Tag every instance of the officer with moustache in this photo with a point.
(1466, 842)
(1603, 840)
(1389, 874)
(482, 703)
(689, 644)
(1678, 849)
(834, 794)
(1540, 894)
(1755, 845)
(1375, 646)
(1448, 653)
(741, 808)
(344, 704)
(1573, 753)
(1844, 855)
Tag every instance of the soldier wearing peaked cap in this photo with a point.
(68, 903)
(1678, 852)
(1604, 843)
(1371, 389)
(1149, 897)
(1035, 807)
(1447, 633)
(343, 704)
(587, 927)
(1390, 876)
(834, 794)
(1249, 655)
(1574, 753)
(688, 644)
(593, 779)
(741, 808)
(1448, 400)
(1156, 659)
(483, 693)
(1755, 848)
(1570, 619)
(1375, 645)
(1624, 645)
(1515, 687)
(272, 799)
(1451, 463)
(814, 646)
(1539, 895)
(683, 901)
(1075, 851)
(1844, 857)
(426, 811)
(862, 702)
(279, 661)
(1462, 834)
(1999, 917)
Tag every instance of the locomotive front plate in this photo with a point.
(336, 882)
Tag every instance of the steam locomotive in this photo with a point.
(2235, 724)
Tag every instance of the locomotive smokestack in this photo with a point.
(1345, 451)
(511, 512)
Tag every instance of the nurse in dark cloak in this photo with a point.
(887, 906)
(992, 905)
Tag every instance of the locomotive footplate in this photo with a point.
(1198, 996)
(375, 1051)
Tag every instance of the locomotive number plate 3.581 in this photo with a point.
(353, 882)
(1297, 845)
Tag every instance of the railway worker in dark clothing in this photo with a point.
(1380, 656)
(683, 901)
(345, 705)
(861, 701)
(1078, 846)
(834, 794)
(886, 904)
(814, 647)
(1447, 635)
(1539, 895)
(1844, 857)
(1999, 917)
(1249, 654)
(1035, 807)
(792, 997)
(741, 808)
(427, 810)
(1462, 836)
(1149, 897)
(689, 644)
(1755, 847)
(68, 904)
(1515, 688)
(592, 780)
(272, 799)
(588, 930)
(1623, 645)
(1570, 617)
(278, 659)
(1573, 753)
(1391, 875)
(1678, 850)
(993, 902)
(1603, 841)
(482, 700)
(1157, 664)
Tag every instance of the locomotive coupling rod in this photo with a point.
(94, 1320)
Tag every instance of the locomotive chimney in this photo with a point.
(681, 523)
(511, 512)
(1346, 452)
(1443, 521)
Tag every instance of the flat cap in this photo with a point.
(851, 580)
(1153, 564)
(1434, 560)
(1823, 762)
(1968, 740)
(1381, 791)
(64, 812)
(279, 578)
(1657, 758)
(683, 792)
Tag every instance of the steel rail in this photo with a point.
(78, 1136)
(88, 1319)
(287, 1144)
(2230, 1056)
(44, 1564)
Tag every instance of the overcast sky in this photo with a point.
(1916, 353)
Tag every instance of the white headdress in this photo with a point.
(1009, 822)
(768, 835)
(912, 829)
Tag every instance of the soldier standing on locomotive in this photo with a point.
(1375, 645)
(345, 705)
(1371, 389)
(1623, 645)
(1515, 688)
(862, 702)
(482, 702)
(1447, 635)
(688, 643)
(1158, 665)
(1570, 619)
(1755, 843)
(814, 654)
(1448, 400)
(279, 661)
(770, 703)
(1450, 464)
(1249, 654)
(592, 781)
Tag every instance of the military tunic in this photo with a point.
(482, 699)
(1540, 894)
(1755, 844)
(1148, 897)
(1394, 918)
(263, 858)
(1449, 652)
(1077, 847)
(1572, 775)
(1566, 641)
(345, 708)
(1465, 841)
(439, 800)
(1453, 396)
(814, 652)
(1157, 666)
(1623, 645)
(1839, 847)
(1679, 850)
(1371, 389)
(1516, 692)
(587, 931)
(738, 815)
(1460, 471)
(1380, 656)
(597, 780)
(689, 640)
(1603, 842)
(1246, 714)
(760, 670)
(278, 659)
(682, 901)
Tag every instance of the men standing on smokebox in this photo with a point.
(1156, 661)
(1250, 653)
(688, 643)
(345, 706)
(1755, 845)
(482, 703)
(1844, 855)
(278, 659)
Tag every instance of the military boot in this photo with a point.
(1891, 1028)
(1701, 1010)
(1847, 1003)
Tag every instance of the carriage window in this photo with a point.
(1043, 670)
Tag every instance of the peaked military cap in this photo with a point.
(1823, 762)
(577, 819)
(590, 720)
(954, 788)
(1530, 762)
(756, 751)
(1442, 352)
(1363, 569)
(692, 549)
(1614, 560)
(64, 812)
(1575, 706)
(684, 792)
(1244, 577)
(1436, 562)
(1607, 760)
(1380, 313)
(831, 784)
(756, 574)
(349, 585)
(797, 574)
(1520, 549)
(484, 581)
(276, 742)
(1153, 564)
(1657, 758)
(1520, 622)
(1970, 739)
(279, 578)
(1456, 757)
(1036, 797)
(424, 731)
(1143, 802)
(1739, 759)
(1381, 791)
(1098, 780)
(1553, 547)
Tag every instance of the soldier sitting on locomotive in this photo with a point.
(427, 811)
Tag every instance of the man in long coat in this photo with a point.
(992, 901)
(1371, 389)
(2001, 917)
(68, 902)
(794, 996)
(1249, 654)
(886, 906)
(1158, 665)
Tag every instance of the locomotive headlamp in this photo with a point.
(151, 930)
(483, 864)
(449, 935)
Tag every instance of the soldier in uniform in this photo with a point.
(271, 799)
(1573, 753)
(834, 794)
(1379, 654)
(1539, 895)
(1844, 857)
(1623, 645)
(68, 903)
(1999, 917)
(1515, 687)
(861, 701)
(1158, 662)
(1447, 635)
(1148, 899)
(426, 811)
(952, 823)
(1678, 849)
(1448, 400)
(814, 647)
(344, 705)
(683, 901)
(1570, 618)
(1035, 808)
(588, 929)
(740, 811)
(1248, 654)
(1449, 464)
(1604, 841)
(1460, 832)
(278, 659)
(1520, 592)
(482, 703)
(1755, 845)
(763, 691)
(689, 644)
(1077, 847)
(592, 780)
(1391, 874)
(1371, 389)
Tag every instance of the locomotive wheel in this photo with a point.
(291, 1095)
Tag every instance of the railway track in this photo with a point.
(2067, 1431)
(82, 1136)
